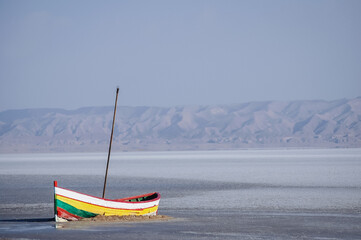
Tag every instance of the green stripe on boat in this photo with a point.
(74, 210)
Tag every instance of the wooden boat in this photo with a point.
(70, 205)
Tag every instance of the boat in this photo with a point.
(71, 205)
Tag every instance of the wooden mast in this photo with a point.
(110, 143)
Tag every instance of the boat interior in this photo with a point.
(142, 198)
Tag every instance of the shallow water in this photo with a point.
(247, 194)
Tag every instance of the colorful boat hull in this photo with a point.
(70, 205)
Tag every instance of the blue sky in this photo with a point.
(71, 54)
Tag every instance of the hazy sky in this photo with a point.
(70, 54)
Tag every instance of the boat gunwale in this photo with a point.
(122, 200)
(139, 196)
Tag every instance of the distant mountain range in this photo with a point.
(270, 124)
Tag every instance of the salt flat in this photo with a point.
(247, 194)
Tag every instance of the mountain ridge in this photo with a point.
(265, 124)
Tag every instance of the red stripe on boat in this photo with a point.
(66, 215)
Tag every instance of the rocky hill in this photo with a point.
(248, 125)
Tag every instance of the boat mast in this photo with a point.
(110, 143)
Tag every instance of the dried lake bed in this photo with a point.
(243, 194)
